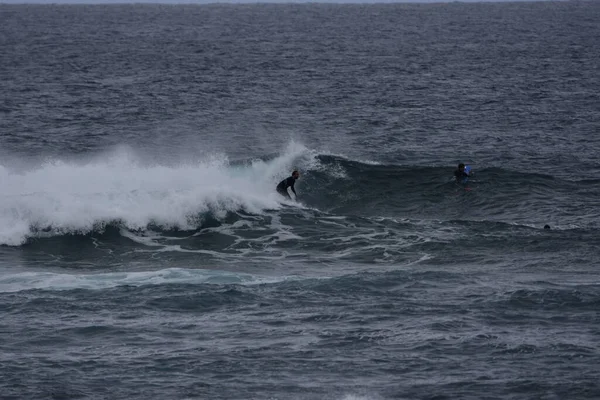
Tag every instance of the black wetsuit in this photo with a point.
(460, 175)
(284, 184)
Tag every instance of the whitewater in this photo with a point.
(67, 197)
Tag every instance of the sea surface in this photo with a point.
(144, 252)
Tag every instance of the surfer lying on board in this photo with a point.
(460, 174)
(283, 186)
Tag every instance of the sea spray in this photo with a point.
(78, 197)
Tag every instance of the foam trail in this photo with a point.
(70, 197)
(51, 281)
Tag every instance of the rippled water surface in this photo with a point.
(145, 253)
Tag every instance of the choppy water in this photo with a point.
(146, 254)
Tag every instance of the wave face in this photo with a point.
(65, 198)
(348, 186)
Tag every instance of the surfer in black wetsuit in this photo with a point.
(460, 173)
(288, 183)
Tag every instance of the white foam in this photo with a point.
(53, 281)
(65, 196)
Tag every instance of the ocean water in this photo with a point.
(146, 255)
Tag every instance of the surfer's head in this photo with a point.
(295, 174)
(461, 167)
(546, 226)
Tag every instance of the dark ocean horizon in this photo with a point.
(144, 251)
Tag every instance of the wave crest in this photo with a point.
(61, 197)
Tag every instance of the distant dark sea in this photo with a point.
(145, 254)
